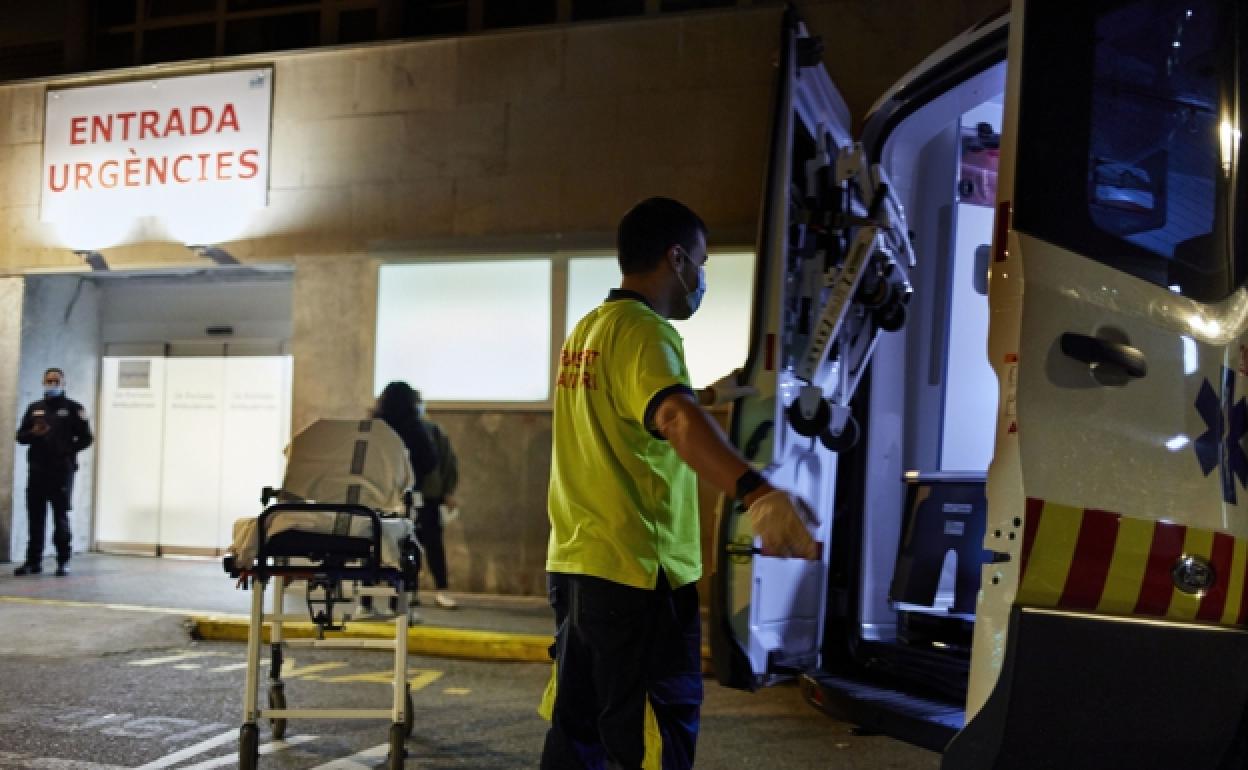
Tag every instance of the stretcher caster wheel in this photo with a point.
(891, 317)
(409, 716)
(809, 426)
(845, 441)
(398, 748)
(248, 747)
(277, 700)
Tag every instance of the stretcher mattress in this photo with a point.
(361, 462)
(349, 461)
(394, 532)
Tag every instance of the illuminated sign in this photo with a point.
(157, 147)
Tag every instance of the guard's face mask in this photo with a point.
(693, 297)
(51, 390)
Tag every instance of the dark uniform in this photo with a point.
(52, 459)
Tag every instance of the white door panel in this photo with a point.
(255, 431)
(131, 429)
(190, 503)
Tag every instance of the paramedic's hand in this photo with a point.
(725, 390)
(783, 522)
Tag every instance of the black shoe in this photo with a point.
(28, 569)
(62, 569)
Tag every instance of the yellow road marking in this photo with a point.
(294, 672)
(418, 678)
(456, 691)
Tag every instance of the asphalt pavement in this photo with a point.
(100, 671)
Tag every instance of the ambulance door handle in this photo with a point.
(1095, 351)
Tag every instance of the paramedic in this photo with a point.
(56, 430)
(628, 438)
(437, 488)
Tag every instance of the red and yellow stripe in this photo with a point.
(1091, 560)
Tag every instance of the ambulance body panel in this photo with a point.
(1035, 552)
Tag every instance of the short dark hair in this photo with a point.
(649, 228)
(56, 369)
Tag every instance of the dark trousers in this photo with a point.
(429, 532)
(42, 490)
(618, 648)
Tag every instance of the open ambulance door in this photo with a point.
(767, 614)
(1109, 626)
(812, 334)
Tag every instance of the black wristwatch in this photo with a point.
(747, 483)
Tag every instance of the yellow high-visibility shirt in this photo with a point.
(622, 504)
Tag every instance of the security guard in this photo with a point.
(624, 550)
(55, 428)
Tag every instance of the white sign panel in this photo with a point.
(152, 147)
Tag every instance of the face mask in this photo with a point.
(54, 392)
(420, 410)
(693, 298)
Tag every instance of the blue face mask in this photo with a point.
(56, 392)
(693, 297)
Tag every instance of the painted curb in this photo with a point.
(468, 644)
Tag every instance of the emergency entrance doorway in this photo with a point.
(189, 434)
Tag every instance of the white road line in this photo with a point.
(357, 761)
(187, 666)
(190, 751)
(269, 748)
(172, 658)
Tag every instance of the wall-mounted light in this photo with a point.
(94, 259)
(217, 254)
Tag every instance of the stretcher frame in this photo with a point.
(378, 580)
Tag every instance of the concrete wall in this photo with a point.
(11, 290)
(335, 321)
(538, 131)
(59, 327)
(498, 545)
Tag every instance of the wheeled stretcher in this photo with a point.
(342, 527)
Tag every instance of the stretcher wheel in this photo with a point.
(398, 749)
(248, 747)
(809, 426)
(891, 317)
(277, 700)
(409, 716)
(847, 440)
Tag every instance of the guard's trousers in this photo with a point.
(43, 490)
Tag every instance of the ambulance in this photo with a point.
(1001, 346)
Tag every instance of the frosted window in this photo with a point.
(466, 331)
(716, 338)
